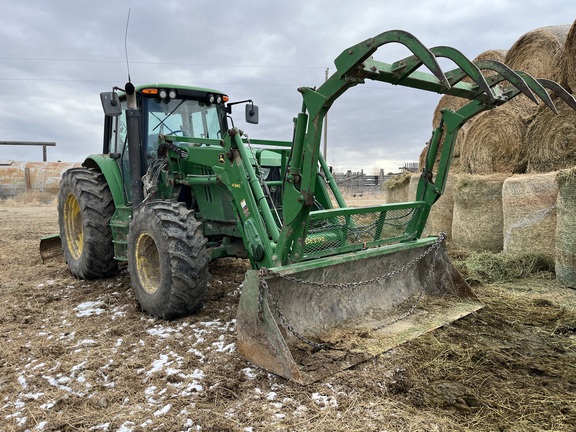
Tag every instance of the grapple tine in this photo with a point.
(558, 91)
(467, 67)
(511, 76)
(537, 88)
(354, 56)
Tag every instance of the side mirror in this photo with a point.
(111, 104)
(252, 113)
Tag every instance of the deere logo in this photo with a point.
(221, 158)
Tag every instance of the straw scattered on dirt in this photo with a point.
(81, 355)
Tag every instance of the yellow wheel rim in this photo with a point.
(73, 227)
(147, 263)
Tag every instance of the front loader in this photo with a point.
(178, 185)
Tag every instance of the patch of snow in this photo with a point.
(325, 401)
(90, 308)
(163, 410)
(249, 372)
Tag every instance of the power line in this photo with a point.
(41, 59)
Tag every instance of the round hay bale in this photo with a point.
(529, 209)
(494, 143)
(567, 61)
(565, 263)
(551, 139)
(396, 188)
(441, 214)
(477, 223)
(538, 52)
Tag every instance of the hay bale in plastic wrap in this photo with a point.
(478, 221)
(565, 263)
(529, 209)
(551, 139)
(396, 189)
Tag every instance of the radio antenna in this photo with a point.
(126, 45)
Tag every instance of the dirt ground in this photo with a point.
(81, 355)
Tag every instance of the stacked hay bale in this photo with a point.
(495, 141)
(567, 61)
(529, 210)
(478, 217)
(493, 211)
(396, 189)
(565, 262)
(551, 139)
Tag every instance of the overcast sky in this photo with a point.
(57, 56)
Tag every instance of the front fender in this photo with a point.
(109, 167)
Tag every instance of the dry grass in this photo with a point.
(32, 198)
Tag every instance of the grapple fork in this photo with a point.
(345, 284)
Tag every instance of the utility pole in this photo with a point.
(326, 125)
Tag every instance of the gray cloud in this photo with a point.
(56, 57)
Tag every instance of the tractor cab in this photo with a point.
(167, 112)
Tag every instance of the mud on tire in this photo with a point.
(167, 259)
(85, 207)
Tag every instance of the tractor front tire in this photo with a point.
(167, 259)
(85, 207)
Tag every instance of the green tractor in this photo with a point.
(177, 185)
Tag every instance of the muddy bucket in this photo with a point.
(313, 319)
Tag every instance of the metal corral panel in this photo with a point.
(19, 177)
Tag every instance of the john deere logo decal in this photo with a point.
(221, 158)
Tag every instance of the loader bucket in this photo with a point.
(50, 247)
(310, 320)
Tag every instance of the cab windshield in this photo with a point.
(184, 117)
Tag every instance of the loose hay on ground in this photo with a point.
(507, 367)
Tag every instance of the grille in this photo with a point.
(343, 230)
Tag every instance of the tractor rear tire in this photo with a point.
(167, 259)
(85, 207)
